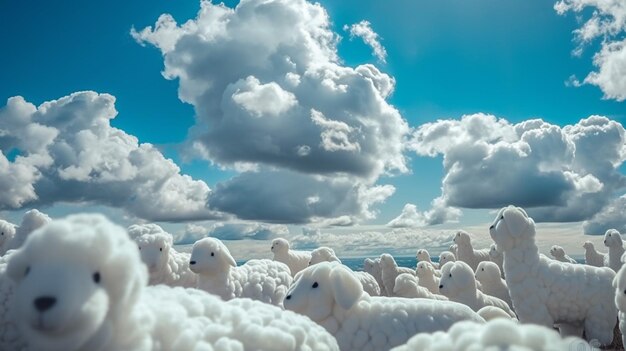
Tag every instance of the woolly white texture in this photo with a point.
(7, 232)
(10, 339)
(496, 257)
(165, 264)
(32, 220)
(619, 283)
(466, 252)
(426, 277)
(372, 266)
(499, 334)
(81, 285)
(295, 260)
(330, 295)
(458, 284)
(491, 312)
(390, 270)
(593, 257)
(545, 291)
(489, 276)
(406, 286)
(424, 256)
(263, 280)
(613, 240)
(326, 254)
(559, 254)
(445, 257)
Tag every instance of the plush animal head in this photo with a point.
(612, 238)
(318, 289)
(386, 260)
(487, 271)
(588, 245)
(209, 256)
(424, 269)
(423, 255)
(405, 285)
(557, 251)
(493, 252)
(75, 278)
(619, 283)
(155, 250)
(456, 277)
(446, 257)
(7, 232)
(511, 225)
(323, 254)
(280, 246)
(462, 238)
(372, 266)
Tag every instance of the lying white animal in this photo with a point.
(559, 254)
(407, 286)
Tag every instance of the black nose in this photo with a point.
(44, 303)
(288, 297)
(440, 286)
(192, 262)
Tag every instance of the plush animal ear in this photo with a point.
(515, 220)
(17, 266)
(227, 256)
(347, 289)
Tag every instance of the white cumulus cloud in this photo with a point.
(364, 31)
(411, 217)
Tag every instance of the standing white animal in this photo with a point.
(446, 257)
(330, 295)
(326, 254)
(592, 256)
(559, 254)
(613, 240)
(424, 256)
(263, 280)
(425, 273)
(496, 257)
(407, 286)
(458, 284)
(295, 260)
(466, 252)
(549, 292)
(372, 266)
(390, 271)
(489, 276)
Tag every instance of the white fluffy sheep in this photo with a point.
(548, 292)
(390, 270)
(466, 252)
(496, 257)
(406, 286)
(295, 260)
(445, 257)
(263, 280)
(329, 294)
(458, 284)
(424, 256)
(619, 283)
(326, 254)
(372, 266)
(165, 264)
(31, 220)
(499, 334)
(613, 240)
(7, 232)
(489, 276)
(80, 285)
(592, 256)
(427, 278)
(559, 254)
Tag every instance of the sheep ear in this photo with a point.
(346, 288)
(515, 221)
(229, 259)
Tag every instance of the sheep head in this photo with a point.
(323, 254)
(557, 251)
(493, 251)
(75, 278)
(456, 277)
(318, 289)
(446, 257)
(155, 250)
(424, 269)
(7, 232)
(423, 255)
(405, 285)
(280, 246)
(462, 238)
(588, 245)
(386, 260)
(511, 225)
(209, 256)
(487, 272)
(612, 238)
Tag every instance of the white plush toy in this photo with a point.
(559, 254)
(326, 254)
(496, 257)
(427, 278)
(458, 284)
(372, 266)
(445, 257)
(548, 292)
(7, 232)
(489, 276)
(31, 221)
(390, 271)
(466, 252)
(592, 256)
(263, 280)
(81, 285)
(424, 256)
(613, 240)
(10, 338)
(406, 286)
(330, 295)
(295, 260)
(619, 283)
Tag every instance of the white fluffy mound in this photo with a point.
(499, 334)
(559, 254)
(407, 286)
(592, 256)
(489, 276)
(545, 291)
(426, 277)
(330, 295)
(323, 254)
(458, 284)
(424, 256)
(263, 280)
(7, 232)
(466, 252)
(165, 264)
(31, 221)
(80, 285)
(295, 260)
(372, 266)
(445, 257)
(389, 272)
(619, 283)
(613, 240)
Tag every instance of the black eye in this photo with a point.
(26, 271)
(212, 253)
(502, 217)
(96, 277)
(160, 249)
(2, 233)
(450, 275)
(315, 285)
(624, 291)
(482, 269)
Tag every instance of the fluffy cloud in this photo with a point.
(364, 31)
(607, 21)
(611, 217)
(68, 152)
(272, 98)
(560, 174)
(438, 214)
(232, 231)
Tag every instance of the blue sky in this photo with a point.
(448, 58)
